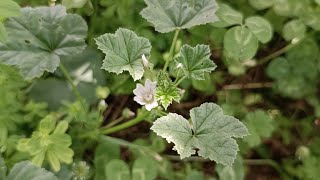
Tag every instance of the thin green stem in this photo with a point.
(73, 86)
(269, 162)
(124, 125)
(172, 48)
(116, 121)
(180, 80)
(277, 53)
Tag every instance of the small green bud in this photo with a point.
(127, 113)
(102, 92)
(302, 152)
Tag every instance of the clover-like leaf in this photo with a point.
(40, 37)
(166, 91)
(210, 131)
(228, 16)
(168, 15)
(195, 61)
(240, 43)
(27, 171)
(260, 126)
(123, 52)
(297, 75)
(260, 4)
(260, 27)
(117, 169)
(294, 29)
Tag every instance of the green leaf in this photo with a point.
(228, 16)
(312, 18)
(117, 169)
(260, 125)
(207, 85)
(166, 91)
(69, 4)
(195, 61)
(261, 4)
(26, 171)
(234, 172)
(211, 132)
(3, 168)
(260, 27)
(240, 43)
(54, 147)
(294, 29)
(48, 124)
(297, 75)
(168, 15)
(123, 52)
(40, 37)
(144, 168)
(9, 8)
(3, 33)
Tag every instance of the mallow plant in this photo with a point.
(39, 41)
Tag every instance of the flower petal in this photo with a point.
(152, 105)
(139, 100)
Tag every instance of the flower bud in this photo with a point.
(145, 61)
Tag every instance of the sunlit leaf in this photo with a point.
(9, 8)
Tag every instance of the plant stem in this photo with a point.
(124, 125)
(116, 121)
(277, 53)
(269, 162)
(172, 48)
(180, 80)
(73, 86)
(142, 149)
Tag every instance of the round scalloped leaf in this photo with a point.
(195, 61)
(26, 171)
(123, 52)
(211, 132)
(168, 15)
(40, 37)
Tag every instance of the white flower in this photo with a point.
(145, 95)
(144, 61)
(83, 74)
(179, 66)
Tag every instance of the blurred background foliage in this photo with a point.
(274, 91)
